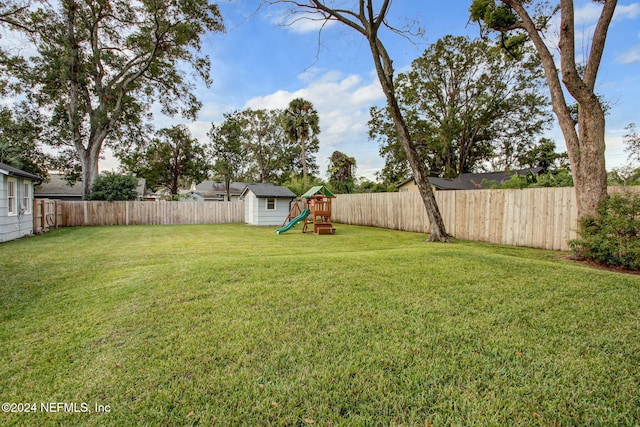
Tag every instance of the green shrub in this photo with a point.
(112, 186)
(612, 237)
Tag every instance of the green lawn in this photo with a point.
(234, 325)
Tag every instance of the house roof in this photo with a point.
(11, 171)
(213, 189)
(475, 181)
(56, 186)
(319, 190)
(269, 190)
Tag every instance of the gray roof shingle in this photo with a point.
(270, 190)
(474, 181)
(10, 170)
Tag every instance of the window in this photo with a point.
(26, 197)
(271, 204)
(12, 196)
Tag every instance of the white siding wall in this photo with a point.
(273, 217)
(250, 208)
(13, 227)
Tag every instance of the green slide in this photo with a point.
(294, 221)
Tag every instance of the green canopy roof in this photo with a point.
(319, 190)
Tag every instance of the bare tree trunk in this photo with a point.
(585, 145)
(304, 161)
(590, 177)
(384, 68)
(438, 232)
(90, 171)
(367, 22)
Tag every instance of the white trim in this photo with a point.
(27, 189)
(12, 196)
(275, 204)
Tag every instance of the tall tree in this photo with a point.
(271, 154)
(171, 160)
(366, 20)
(302, 126)
(516, 20)
(544, 155)
(341, 172)
(100, 65)
(228, 149)
(467, 105)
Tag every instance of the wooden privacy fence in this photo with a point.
(46, 214)
(149, 213)
(536, 217)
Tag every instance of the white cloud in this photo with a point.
(586, 19)
(629, 57)
(590, 12)
(587, 14)
(630, 11)
(298, 22)
(343, 103)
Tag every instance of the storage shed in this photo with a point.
(16, 202)
(266, 204)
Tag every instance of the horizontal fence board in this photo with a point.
(149, 213)
(535, 217)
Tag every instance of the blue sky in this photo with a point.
(259, 63)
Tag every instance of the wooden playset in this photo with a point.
(314, 208)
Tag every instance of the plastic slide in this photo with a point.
(294, 221)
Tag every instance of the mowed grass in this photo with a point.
(234, 325)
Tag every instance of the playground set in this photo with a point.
(314, 207)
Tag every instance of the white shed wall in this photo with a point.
(256, 212)
(14, 227)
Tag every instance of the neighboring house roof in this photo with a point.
(11, 171)
(269, 191)
(213, 189)
(57, 187)
(475, 181)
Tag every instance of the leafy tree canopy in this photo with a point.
(111, 186)
(468, 106)
(302, 125)
(20, 132)
(172, 159)
(341, 173)
(98, 66)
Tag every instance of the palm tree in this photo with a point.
(10, 155)
(302, 123)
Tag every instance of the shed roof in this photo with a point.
(269, 191)
(212, 189)
(319, 190)
(11, 171)
(58, 187)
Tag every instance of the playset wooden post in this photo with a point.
(315, 209)
(319, 204)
